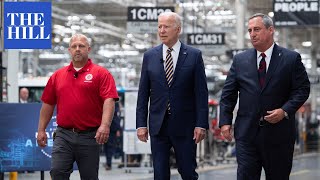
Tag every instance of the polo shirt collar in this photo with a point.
(84, 68)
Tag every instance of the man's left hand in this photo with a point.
(199, 134)
(274, 116)
(102, 134)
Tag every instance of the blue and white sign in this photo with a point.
(19, 150)
(27, 25)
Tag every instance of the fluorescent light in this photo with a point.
(307, 43)
(26, 50)
(107, 53)
(56, 40)
(221, 17)
(271, 14)
(53, 56)
(90, 17)
(91, 30)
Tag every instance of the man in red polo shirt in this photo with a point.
(85, 96)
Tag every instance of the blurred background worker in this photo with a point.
(24, 95)
(115, 132)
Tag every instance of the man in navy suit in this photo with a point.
(271, 83)
(175, 102)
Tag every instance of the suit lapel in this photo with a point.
(181, 58)
(274, 61)
(160, 62)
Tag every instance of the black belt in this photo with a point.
(76, 130)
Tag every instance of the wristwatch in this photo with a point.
(286, 114)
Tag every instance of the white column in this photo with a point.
(240, 12)
(1, 24)
(313, 94)
(12, 74)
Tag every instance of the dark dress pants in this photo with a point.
(274, 158)
(70, 147)
(109, 148)
(185, 152)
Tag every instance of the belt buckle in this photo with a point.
(262, 122)
(75, 130)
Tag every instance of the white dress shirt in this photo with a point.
(174, 54)
(268, 54)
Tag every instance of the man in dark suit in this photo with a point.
(173, 79)
(272, 84)
(24, 95)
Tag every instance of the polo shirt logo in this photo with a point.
(88, 78)
(27, 25)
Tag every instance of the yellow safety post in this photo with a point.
(13, 176)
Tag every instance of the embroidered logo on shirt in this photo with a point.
(88, 78)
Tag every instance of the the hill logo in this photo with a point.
(27, 25)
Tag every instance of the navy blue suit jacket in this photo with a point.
(286, 86)
(188, 94)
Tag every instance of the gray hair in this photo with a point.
(267, 21)
(177, 17)
(78, 35)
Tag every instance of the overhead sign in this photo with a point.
(206, 39)
(145, 19)
(296, 12)
(27, 25)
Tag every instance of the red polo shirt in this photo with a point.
(79, 96)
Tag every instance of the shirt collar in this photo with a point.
(268, 52)
(84, 68)
(175, 47)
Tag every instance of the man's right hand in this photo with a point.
(142, 134)
(42, 138)
(226, 132)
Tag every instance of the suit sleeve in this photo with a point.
(300, 88)
(201, 91)
(143, 96)
(229, 96)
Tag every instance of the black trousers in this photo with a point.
(70, 147)
(274, 158)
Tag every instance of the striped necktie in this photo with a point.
(169, 72)
(169, 66)
(262, 70)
